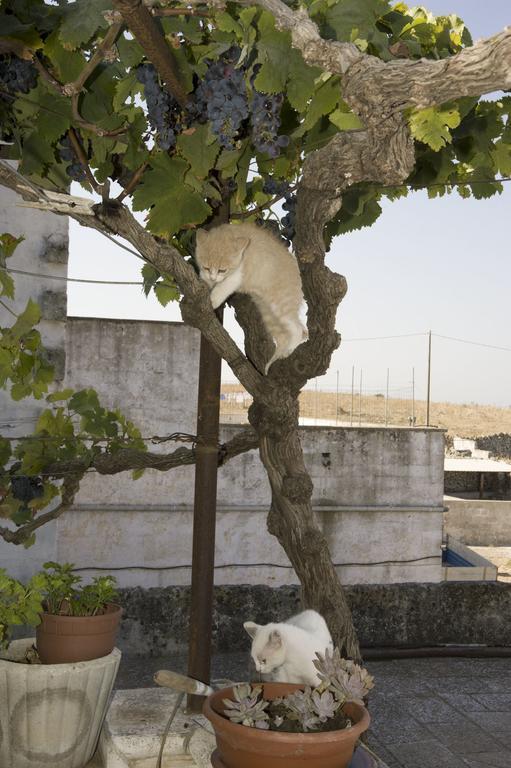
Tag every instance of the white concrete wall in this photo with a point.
(378, 492)
(46, 239)
(154, 547)
(482, 522)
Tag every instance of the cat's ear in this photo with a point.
(252, 628)
(241, 244)
(275, 639)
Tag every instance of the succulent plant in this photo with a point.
(310, 709)
(343, 677)
(247, 708)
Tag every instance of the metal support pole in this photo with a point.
(204, 519)
(428, 399)
(204, 506)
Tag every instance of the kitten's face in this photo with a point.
(218, 256)
(268, 649)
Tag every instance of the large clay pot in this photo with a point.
(67, 639)
(242, 747)
(51, 714)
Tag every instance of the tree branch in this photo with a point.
(70, 487)
(196, 306)
(376, 89)
(148, 34)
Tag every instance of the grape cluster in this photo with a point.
(26, 488)
(75, 169)
(221, 97)
(288, 221)
(163, 110)
(281, 188)
(16, 75)
(266, 123)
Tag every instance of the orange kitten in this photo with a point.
(245, 258)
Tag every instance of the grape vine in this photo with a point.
(165, 114)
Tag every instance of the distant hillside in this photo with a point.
(464, 420)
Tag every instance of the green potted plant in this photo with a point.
(281, 725)
(52, 713)
(78, 623)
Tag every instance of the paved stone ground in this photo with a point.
(426, 713)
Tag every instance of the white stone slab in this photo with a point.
(133, 729)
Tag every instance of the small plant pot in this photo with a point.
(68, 639)
(239, 746)
(51, 715)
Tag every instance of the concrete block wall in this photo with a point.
(44, 251)
(479, 522)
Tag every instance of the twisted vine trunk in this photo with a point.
(291, 519)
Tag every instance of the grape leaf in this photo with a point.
(172, 205)
(345, 16)
(345, 121)
(81, 20)
(431, 125)
(166, 292)
(502, 157)
(300, 86)
(273, 55)
(200, 149)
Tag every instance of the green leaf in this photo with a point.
(431, 125)
(66, 64)
(200, 149)
(150, 276)
(345, 121)
(273, 55)
(502, 157)
(166, 292)
(84, 402)
(171, 203)
(348, 16)
(26, 320)
(324, 100)
(81, 20)
(125, 88)
(8, 244)
(301, 82)
(57, 397)
(6, 284)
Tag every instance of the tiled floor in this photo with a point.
(442, 713)
(426, 713)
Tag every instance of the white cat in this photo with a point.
(249, 259)
(285, 651)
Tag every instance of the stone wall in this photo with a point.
(156, 620)
(498, 445)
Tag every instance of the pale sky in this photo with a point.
(440, 264)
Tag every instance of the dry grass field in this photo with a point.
(459, 419)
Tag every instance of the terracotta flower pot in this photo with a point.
(242, 747)
(68, 639)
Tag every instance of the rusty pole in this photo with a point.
(204, 510)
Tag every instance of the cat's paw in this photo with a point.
(216, 298)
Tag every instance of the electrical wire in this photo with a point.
(244, 565)
(73, 279)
